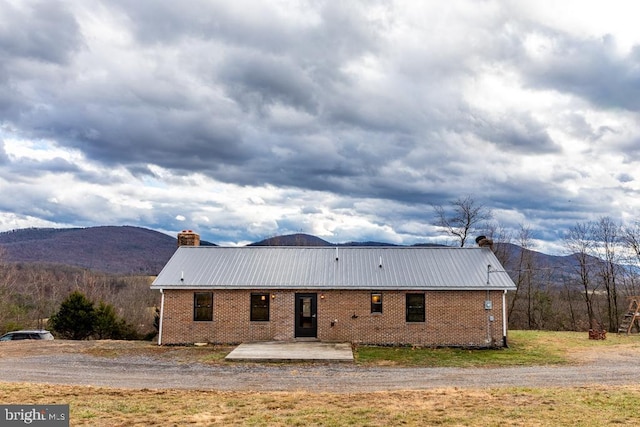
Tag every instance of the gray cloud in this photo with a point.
(30, 168)
(591, 69)
(625, 177)
(518, 133)
(258, 82)
(41, 31)
(4, 159)
(36, 39)
(377, 109)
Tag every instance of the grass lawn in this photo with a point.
(525, 348)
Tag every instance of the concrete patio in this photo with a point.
(279, 351)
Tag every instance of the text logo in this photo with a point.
(34, 415)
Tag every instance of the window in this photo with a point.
(415, 307)
(203, 306)
(376, 303)
(259, 307)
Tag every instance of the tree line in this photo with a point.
(591, 290)
(31, 294)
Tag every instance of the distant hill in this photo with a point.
(553, 268)
(135, 250)
(298, 239)
(301, 239)
(120, 250)
(368, 243)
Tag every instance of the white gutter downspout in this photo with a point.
(504, 318)
(161, 317)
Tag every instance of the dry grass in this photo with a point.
(96, 406)
(583, 406)
(113, 348)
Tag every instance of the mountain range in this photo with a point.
(136, 250)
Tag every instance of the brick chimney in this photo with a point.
(483, 241)
(188, 238)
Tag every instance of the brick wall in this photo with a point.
(452, 318)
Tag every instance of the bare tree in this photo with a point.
(8, 284)
(630, 236)
(463, 216)
(631, 239)
(522, 274)
(503, 239)
(607, 236)
(579, 242)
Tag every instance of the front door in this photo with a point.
(306, 315)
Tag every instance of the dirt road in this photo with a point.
(91, 363)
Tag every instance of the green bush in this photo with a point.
(78, 319)
(109, 326)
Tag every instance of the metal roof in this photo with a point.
(370, 268)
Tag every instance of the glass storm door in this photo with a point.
(306, 315)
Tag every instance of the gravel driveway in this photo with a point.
(67, 366)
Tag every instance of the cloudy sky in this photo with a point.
(343, 119)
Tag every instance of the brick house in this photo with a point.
(427, 296)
